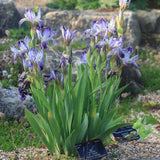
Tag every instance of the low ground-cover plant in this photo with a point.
(19, 33)
(149, 68)
(82, 5)
(16, 134)
(73, 112)
(9, 72)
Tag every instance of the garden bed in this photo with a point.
(146, 104)
(19, 141)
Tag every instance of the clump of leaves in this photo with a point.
(88, 4)
(108, 3)
(143, 130)
(62, 4)
(143, 4)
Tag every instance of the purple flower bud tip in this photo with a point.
(83, 57)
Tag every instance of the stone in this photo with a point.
(132, 31)
(11, 105)
(149, 21)
(80, 21)
(131, 75)
(9, 16)
(22, 11)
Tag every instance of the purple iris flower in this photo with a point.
(83, 57)
(84, 60)
(31, 17)
(27, 64)
(40, 59)
(29, 59)
(53, 75)
(41, 24)
(23, 91)
(23, 47)
(62, 62)
(67, 35)
(64, 59)
(101, 28)
(124, 55)
(34, 56)
(98, 29)
(46, 36)
(110, 43)
(112, 26)
(124, 4)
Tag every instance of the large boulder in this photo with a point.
(132, 32)
(149, 21)
(10, 103)
(9, 16)
(80, 21)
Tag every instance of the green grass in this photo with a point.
(20, 33)
(151, 77)
(5, 46)
(15, 134)
(128, 107)
(78, 45)
(150, 70)
(75, 45)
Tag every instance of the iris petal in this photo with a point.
(21, 21)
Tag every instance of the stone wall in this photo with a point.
(81, 20)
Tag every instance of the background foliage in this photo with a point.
(94, 4)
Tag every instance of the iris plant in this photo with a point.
(67, 109)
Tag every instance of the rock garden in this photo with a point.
(74, 72)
